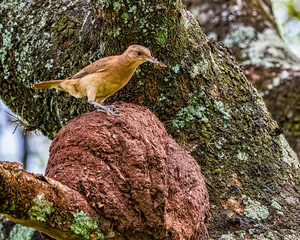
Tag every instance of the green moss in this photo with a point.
(125, 17)
(191, 113)
(143, 24)
(132, 9)
(114, 32)
(84, 225)
(161, 35)
(117, 6)
(12, 208)
(41, 209)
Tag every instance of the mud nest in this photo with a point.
(132, 173)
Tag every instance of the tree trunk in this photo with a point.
(203, 98)
(249, 29)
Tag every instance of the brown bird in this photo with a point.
(103, 78)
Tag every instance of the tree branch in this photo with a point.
(48, 206)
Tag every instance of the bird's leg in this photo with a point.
(109, 109)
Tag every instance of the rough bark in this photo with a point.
(204, 99)
(249, 29)
(48, 206)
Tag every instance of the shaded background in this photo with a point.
(30, 149)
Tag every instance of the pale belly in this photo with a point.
(101, 86)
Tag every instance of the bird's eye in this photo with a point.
(139, 53)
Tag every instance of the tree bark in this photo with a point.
(249, 29)
(203, 98)
(48, 206)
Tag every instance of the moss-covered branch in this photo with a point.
(48, 206)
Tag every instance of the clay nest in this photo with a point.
(132, 173)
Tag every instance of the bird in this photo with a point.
(103, 78)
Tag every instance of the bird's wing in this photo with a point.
(100, 65)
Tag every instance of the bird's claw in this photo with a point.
(109, 109)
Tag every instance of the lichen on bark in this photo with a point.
(250, 30)
(203, 98)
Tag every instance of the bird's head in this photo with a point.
(140, 54)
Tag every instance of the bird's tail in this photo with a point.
(47, 84)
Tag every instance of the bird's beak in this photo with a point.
(151, 59)
(154, 60)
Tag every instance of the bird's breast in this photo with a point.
(106, 82)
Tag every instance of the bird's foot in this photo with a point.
(109, 109)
